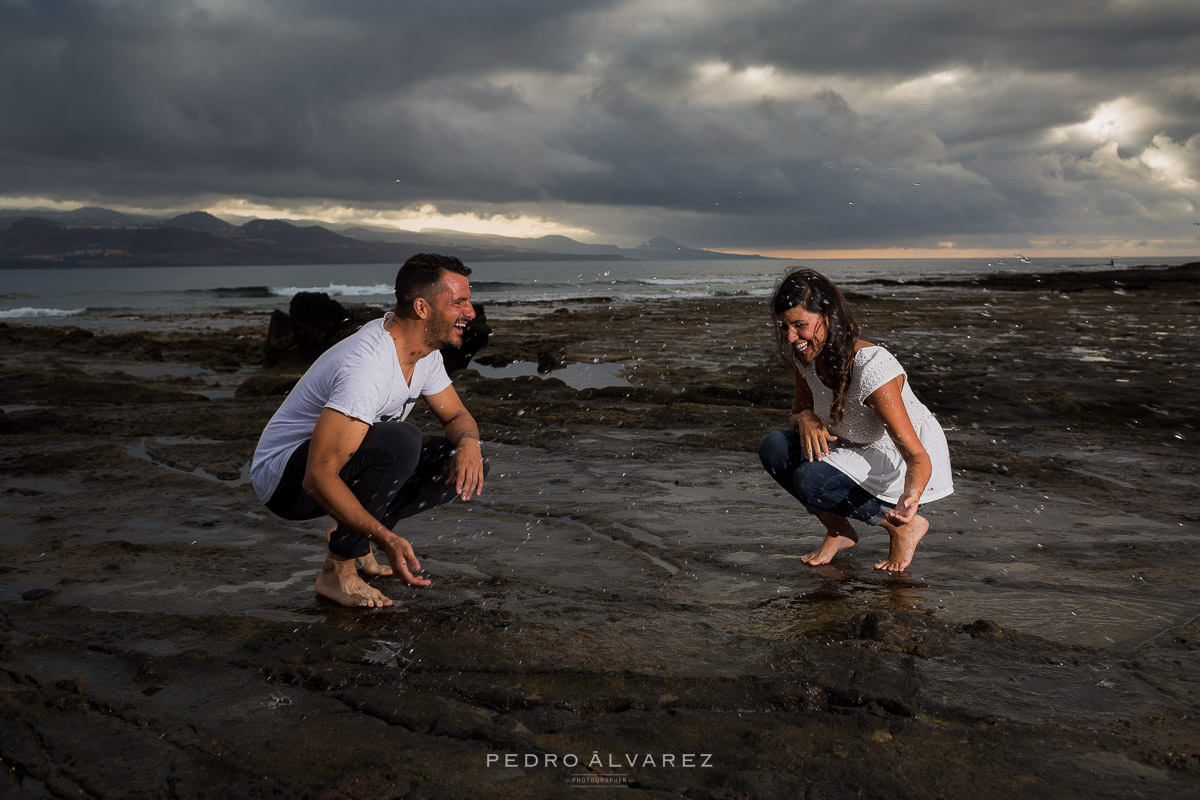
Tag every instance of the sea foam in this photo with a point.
(26, 312)
(335, 290)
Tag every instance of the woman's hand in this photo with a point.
(906, 508)
(814, 436)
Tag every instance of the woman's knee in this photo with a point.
(775, 451)
(820, 486)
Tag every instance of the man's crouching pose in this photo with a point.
(338, 445)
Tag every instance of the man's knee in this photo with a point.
(394, 437)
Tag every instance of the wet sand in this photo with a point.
(626, 603)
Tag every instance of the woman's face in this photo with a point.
(805, 332)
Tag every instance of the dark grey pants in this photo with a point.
(396, 472)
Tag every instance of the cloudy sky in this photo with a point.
(804, 127)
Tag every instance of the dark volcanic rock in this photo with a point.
(314, 323)
(475, 338)
(267, 385)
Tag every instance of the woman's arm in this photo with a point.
(813, 435)
(889, 404)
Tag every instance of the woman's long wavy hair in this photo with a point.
(816, 294)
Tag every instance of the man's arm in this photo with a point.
(466, 470)
(335, 439)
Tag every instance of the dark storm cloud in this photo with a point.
(904, 39)
(259, 85)
(870, 123)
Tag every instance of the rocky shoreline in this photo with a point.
(625, 605)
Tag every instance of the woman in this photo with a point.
(859, 438)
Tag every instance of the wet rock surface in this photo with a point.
(625, 603)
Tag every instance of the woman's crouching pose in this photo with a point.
(859, 439)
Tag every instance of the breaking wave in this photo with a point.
(335, 290)
(27, 312)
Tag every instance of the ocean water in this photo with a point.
(115, 299)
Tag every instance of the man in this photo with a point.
(338, 444)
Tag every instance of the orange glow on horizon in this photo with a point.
(897, 253)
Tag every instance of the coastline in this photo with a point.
(630, 581)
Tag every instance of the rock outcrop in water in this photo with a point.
(314, 322)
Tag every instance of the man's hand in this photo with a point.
(466, 468)
(814, 436)
(404, 560)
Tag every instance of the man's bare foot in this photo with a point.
(338, 581)
(367, 564)
(828, 549)
(904, 541)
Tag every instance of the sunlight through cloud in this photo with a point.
(409, 219)
(1123, 121)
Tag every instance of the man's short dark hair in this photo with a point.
(421, 275)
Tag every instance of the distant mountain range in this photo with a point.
(100, 237)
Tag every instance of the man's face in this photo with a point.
(452, 310)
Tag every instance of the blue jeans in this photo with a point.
(395, 473)
(820, 487)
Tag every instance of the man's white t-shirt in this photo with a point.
(359, 376)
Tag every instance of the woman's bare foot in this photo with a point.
(839, 535)
(367, 564)
(338, 581)
(828, 549)
(904, 541)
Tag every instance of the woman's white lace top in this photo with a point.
(864, 449)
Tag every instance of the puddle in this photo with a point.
(824, 611)
(1088, 620)
(296, 577)
(435, 567)
(670, 568)
(1090, 474)
(1035, 693)
(152, 371)
(389, 654)
(1074, 619)
(1094, 690)
(140, 451)
(659, 562)
(641, 535)
(1088, 354)
(683, 493)
(175, 372)
(577, 376)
